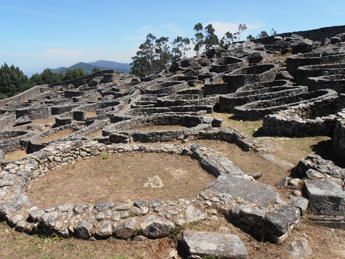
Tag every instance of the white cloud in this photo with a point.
(223, 27)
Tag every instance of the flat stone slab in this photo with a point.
(326, 196)
(248, 190)
(214, 162)
(196, 244)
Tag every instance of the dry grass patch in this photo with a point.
(48, 122)
(248, 128)
(121, 177)
(91, 114)
(15, 155)
(290, 149)
(57, 135)
(19, 245)
(95, 134)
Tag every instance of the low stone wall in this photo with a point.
(227, 64)
(150, 218)
(251, 74)
(167, 87)
(227, 103)
(12, 140)
(59, 109)
(84, 80)
(93, 127)
(35, 143)
(25, 96)
(292, 63)
(182, 100)
(304, 72)
(311, 119)
(129, 130)
(175, 109)
(334, 82)
(34, 113)
(258, 109)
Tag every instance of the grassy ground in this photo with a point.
(19, 245)
(118, 177)
(15, 155)
(246, 127)
(58, 135)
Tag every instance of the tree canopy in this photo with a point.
(155, 54)
(14, 81)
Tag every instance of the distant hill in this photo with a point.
(117, 66)
(101, 64)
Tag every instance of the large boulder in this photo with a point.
(211, 244)
(326, 196)
(301, 45)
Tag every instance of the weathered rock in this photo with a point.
(300, 249)
(156, 227)
(194, 213)
(326, 196)
(105, 229)
(127, 229)
(83, 229)
(272, 225)
(247, 190)
(211, 244)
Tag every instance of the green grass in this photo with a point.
(105, 155)
(246, 127)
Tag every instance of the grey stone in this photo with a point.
(299, 249)
(143, 206)
(194, 213)
(105, 229)
(156, 227)
(326, 196)
(300, 203)
(211, 244)
(83, 229)
(127, 228)
(35, 214)
(252, 191)
(102, 206)
(215, 163)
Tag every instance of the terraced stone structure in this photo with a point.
(178, 112)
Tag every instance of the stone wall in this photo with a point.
(311, 119)
(26, 95)
(319, 34)
(258, 109)
(34, 113)
(339, 138)
(6, 122)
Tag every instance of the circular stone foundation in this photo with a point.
(118, 177)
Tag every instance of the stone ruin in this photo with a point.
(62, 123)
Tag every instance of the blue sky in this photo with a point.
(39, 34)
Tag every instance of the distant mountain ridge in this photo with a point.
(101, 64)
